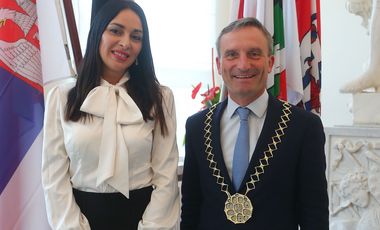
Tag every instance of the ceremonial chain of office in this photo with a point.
(238, 207)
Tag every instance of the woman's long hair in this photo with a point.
(143, 86)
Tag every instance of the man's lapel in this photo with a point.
(215, 137)
(265, 138)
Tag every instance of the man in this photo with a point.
(283, 184)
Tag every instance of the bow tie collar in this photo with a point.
(99, 102)
(116, 107)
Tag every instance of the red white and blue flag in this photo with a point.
(295, 28)
(21, 117)
(309, 33)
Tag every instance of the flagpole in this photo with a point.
(74, 38)
(64, 36)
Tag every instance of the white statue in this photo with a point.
(371, 77)
(361, 8)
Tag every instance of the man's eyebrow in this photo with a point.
(256, 49)
(229, 50)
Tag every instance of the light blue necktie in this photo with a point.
(241, 152)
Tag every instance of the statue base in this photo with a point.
(366, 108)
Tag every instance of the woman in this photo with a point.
(110, 154)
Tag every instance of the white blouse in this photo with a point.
(113, 151)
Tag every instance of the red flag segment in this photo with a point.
(19, 43)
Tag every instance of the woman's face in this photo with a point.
(120, 44)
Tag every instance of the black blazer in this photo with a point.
(291, 192)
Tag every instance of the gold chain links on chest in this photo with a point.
(238, 207)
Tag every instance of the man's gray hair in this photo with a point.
(242, 23)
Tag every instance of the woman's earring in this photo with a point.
(137, 62)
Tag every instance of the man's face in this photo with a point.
(244, 63)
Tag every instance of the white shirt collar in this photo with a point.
(258, 106)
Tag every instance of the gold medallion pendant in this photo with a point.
(238, 208)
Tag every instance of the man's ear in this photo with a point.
(218, 65)
(271, 63)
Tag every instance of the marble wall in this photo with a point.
(353, 172)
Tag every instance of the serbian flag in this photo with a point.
(282, 19)
(21, 118)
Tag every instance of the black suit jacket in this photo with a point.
(291, 192)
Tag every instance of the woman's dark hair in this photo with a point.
(143, 86)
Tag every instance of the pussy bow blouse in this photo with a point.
(114, 151)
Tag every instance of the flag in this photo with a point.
(21, 118)
(309, 27)
(278, 86)
(293, 64)
(296, 73)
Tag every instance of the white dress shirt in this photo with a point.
(230, 123)
(113, 151)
